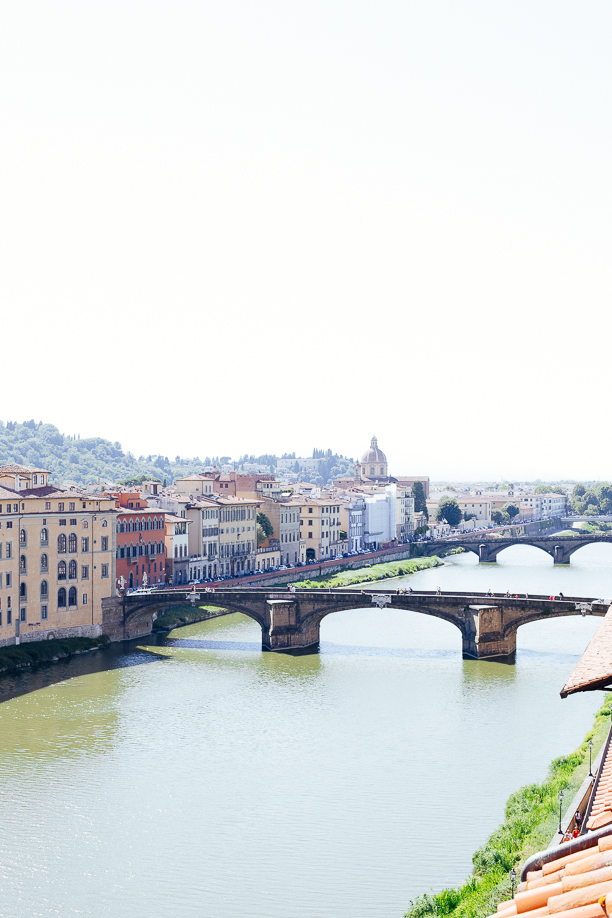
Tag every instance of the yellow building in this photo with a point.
(320, 528)
(237, 535)
(57, 558)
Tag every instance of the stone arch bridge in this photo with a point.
(560, 548)
(290, 621)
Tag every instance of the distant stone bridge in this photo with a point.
(560, 548)
(290, 621)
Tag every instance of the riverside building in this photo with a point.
(57, 558)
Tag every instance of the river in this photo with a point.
(200, 777)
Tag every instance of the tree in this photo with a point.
(266, 525)
(420, 503)
(449, 510)
(497, 516)
(578, 491)
(511, 509)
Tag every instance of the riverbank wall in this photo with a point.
(531, 820)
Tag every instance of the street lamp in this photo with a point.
(560, 805)
(512, 881)
(590, 756)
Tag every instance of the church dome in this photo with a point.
(374, 454)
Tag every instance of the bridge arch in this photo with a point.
(400, 601)
(145, 610)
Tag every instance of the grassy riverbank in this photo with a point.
(531, 818)
(370, 574)
(21, 656)
(185, 615)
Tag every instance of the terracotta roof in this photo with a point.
(575, 885)
(594, 669)
(600, 807)
(15, 469)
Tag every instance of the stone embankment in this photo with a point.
(33, 653)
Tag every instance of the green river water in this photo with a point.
(200, 777)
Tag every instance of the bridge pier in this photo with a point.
(286, 633)
(561, 555)
(487, 554)
(483, 638)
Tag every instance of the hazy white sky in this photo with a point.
(253, 225)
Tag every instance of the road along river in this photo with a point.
(218, 781)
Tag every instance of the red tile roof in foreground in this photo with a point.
(594, 669)
(600, 808)
(572, 886)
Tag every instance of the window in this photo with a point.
(72, 543)
(62, 522)
(47, 505)
(44, 589)
(84, 572)
(23, 539)
(71, 507)
(61, 598)
(60, 507)
(61, 544)
(104, 524)
(22, 615)
(9, 616)
(23, 591)
(15, 508)
(105, 570)
(85, 524)
(44, 612)
(9, 523)
(72, 570)
(310, 509)
(85, 543)
(104, 543)
(84, 599)
(73, 522)
(61, 571)
(9, 581)
(44, 536)
(72, 596)
(9, 549)
(23, 566)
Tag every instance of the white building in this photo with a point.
(380, 517)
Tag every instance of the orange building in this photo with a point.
(141, 547)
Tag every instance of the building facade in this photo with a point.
(237, 535)
(56, 558)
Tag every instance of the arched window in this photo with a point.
(176, 551)
(61, 571)
(61, 598)
(61, 544)
(23, 593)
(72, 543)
(23, 539)
(44, 536)
(154, 548)
(44, 590)
(44, 562)
(72, 596)
(148, 549)
(118, 526)
(23, 565)
(72, 570)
